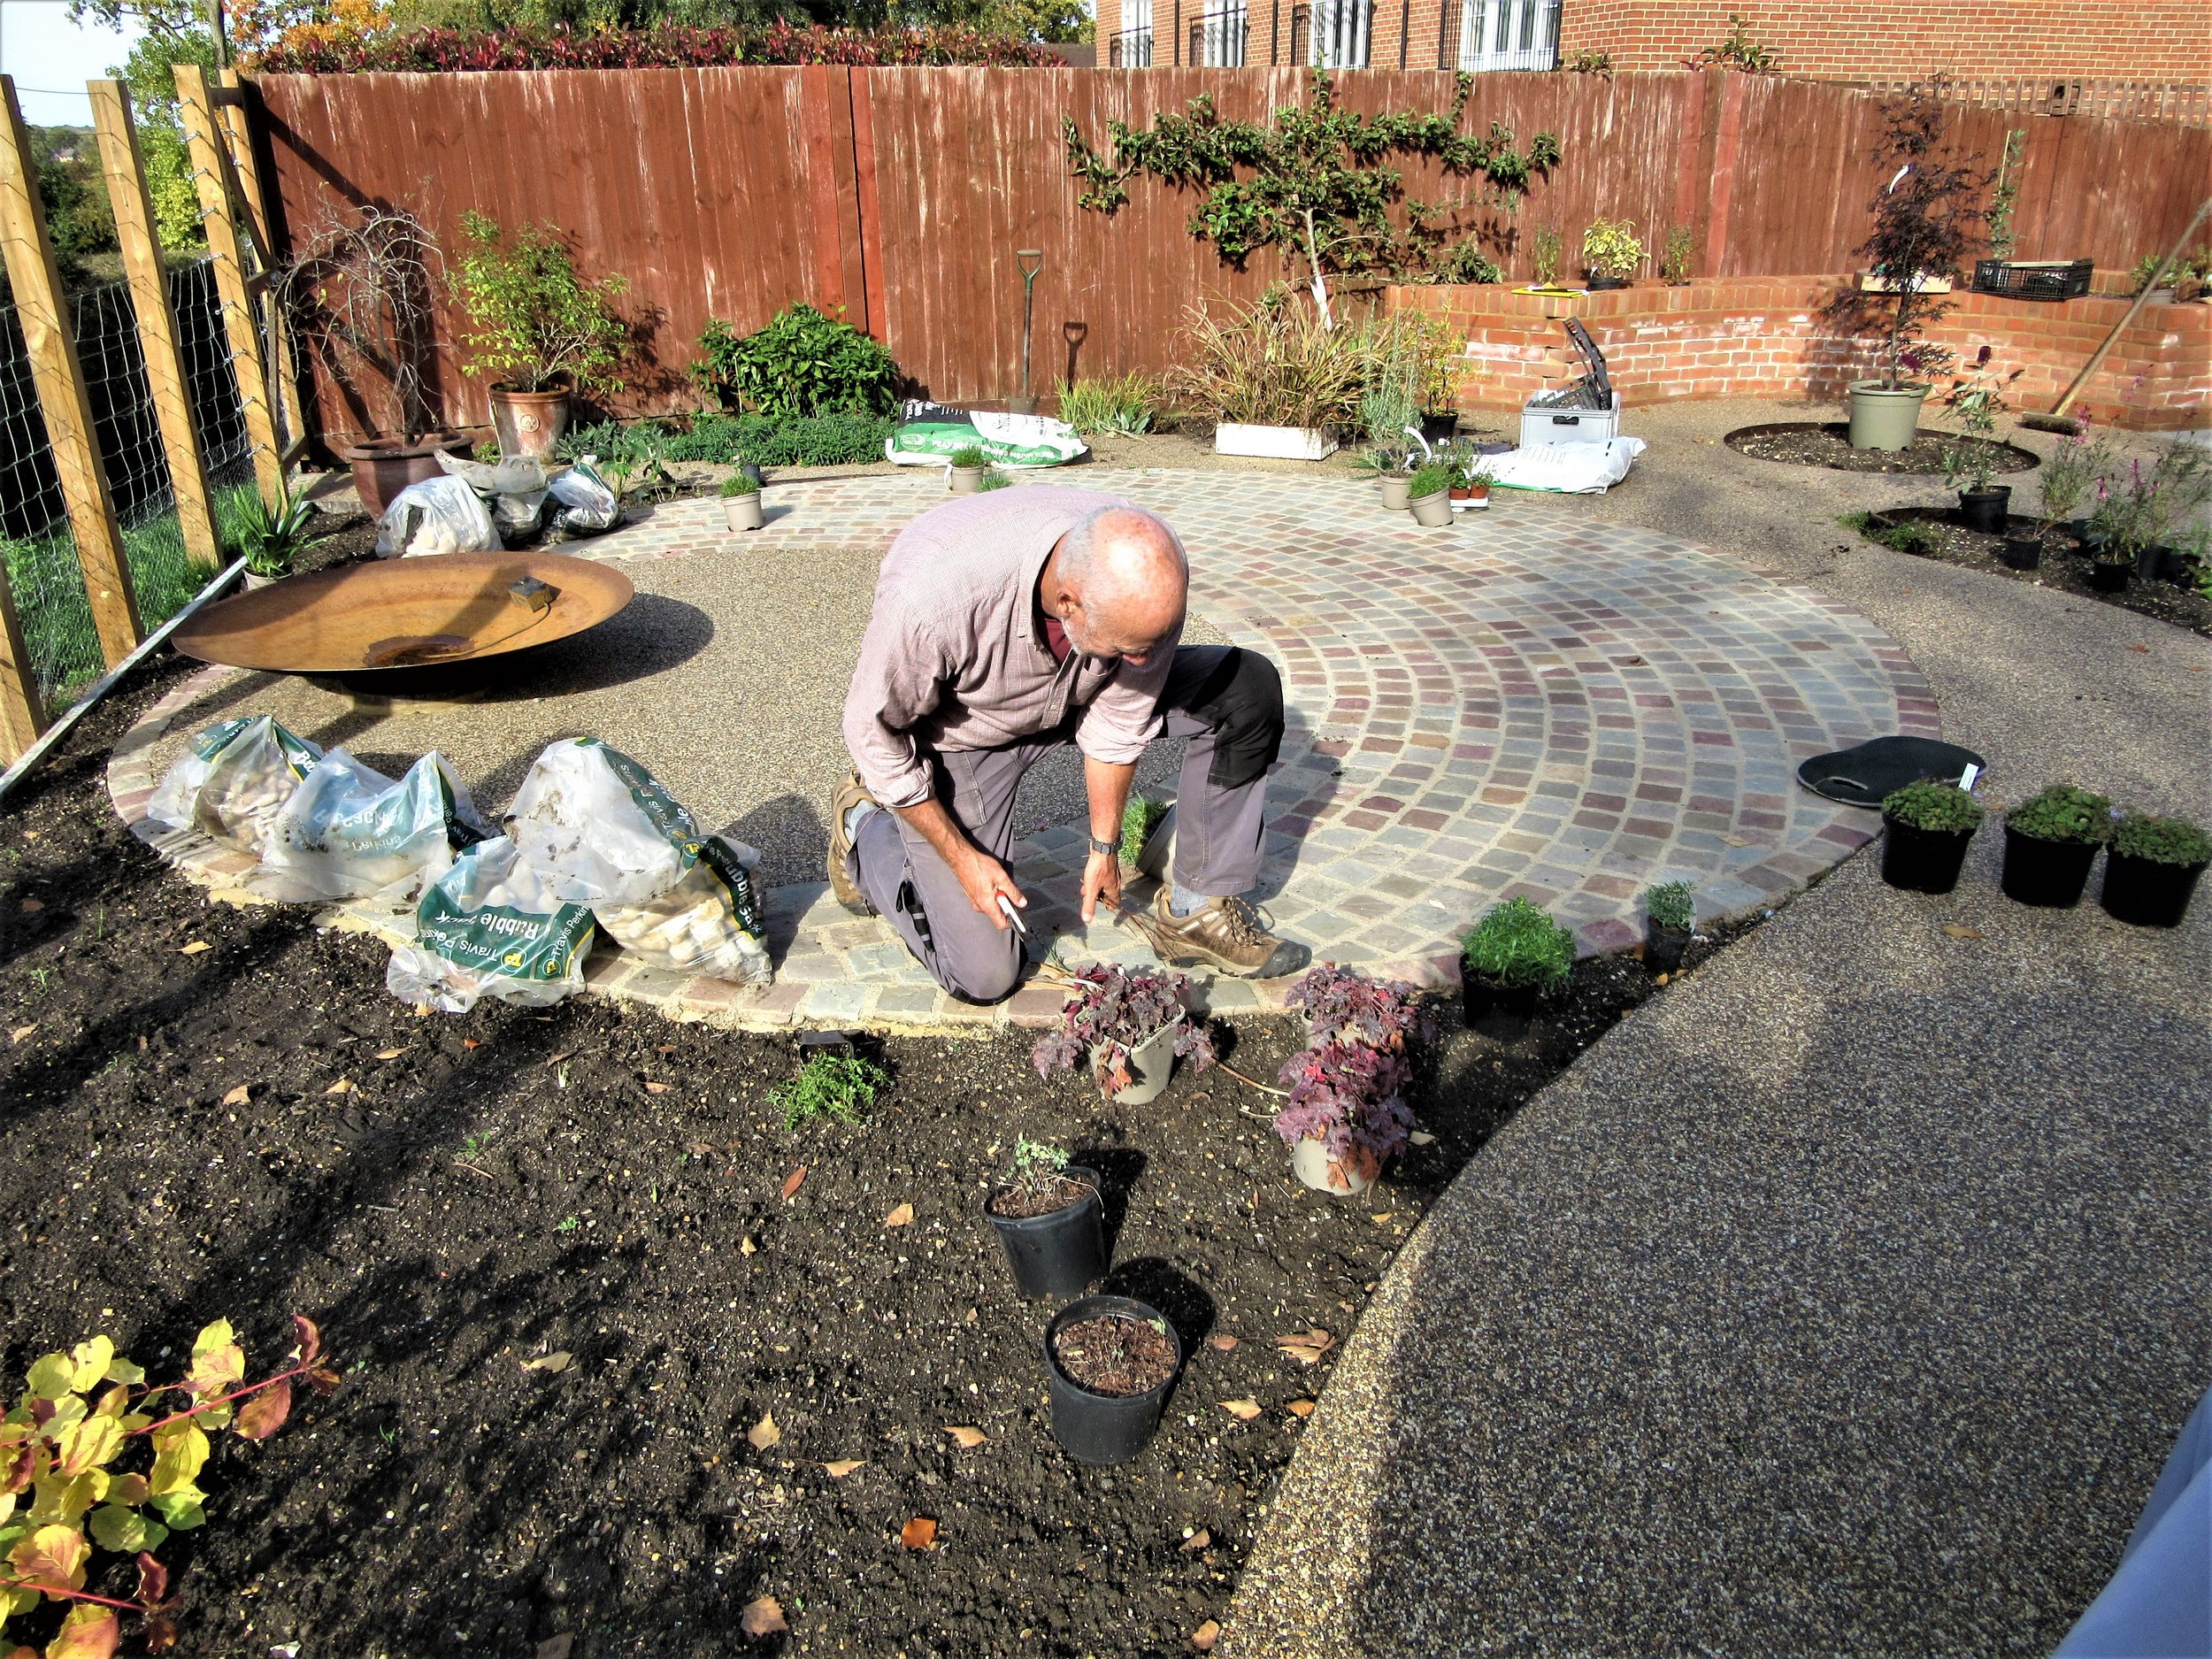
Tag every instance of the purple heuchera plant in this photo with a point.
(1347, 1089)
(1115, 1010)
(1343, 1001)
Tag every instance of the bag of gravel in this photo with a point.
(349, 832)
(488, 927)
(234, 781)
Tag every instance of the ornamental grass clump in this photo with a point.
(1113, 1011)
(2063, 813)
(739, 484)
(968, 458)
(1942, 808)
(2161, 840)
(1125, 404)
(1274, 363)
(1516, 945)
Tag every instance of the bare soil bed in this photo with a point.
(1828, 443)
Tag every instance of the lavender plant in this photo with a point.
(1113, 1010)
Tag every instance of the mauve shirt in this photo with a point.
(955, 657)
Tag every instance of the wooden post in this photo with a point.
(22, 708)
(246, 174)
(211, 174)
(126, 172)
(51, 344)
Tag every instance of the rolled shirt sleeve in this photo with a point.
(899, 680)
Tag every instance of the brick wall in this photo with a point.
(1761, 337)
(1862, 40)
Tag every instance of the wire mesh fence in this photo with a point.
(43, 573)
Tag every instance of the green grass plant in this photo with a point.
(1138, 819)
(838, 1086)
(1431, 479)
(1516, 944)
(967, 458)
(739, 484)
(1929, 805)
(2063, 813)
(1124, 404)
(2163, 841)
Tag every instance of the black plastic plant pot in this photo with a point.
(2148, 893)
(2048, 873)
(1500, 1010)
(2022, 552)
(2107, 577)
(1056, 1255)
(2154, 563)
(1663, 946)
(1923, 861)
(1986, 509)
(1098, 1428)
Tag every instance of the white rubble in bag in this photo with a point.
(588, 505)
(488, 927)
(349, 832)
(1567, 469)
(234, 781)
(438, 515)
(709, 923)
(515, 489)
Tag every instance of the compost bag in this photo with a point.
(234, 781)
(488, 927)
(513, 488)
(929, 434)
(600, 830)
(587, 503)
(438, 515)
(349, 832)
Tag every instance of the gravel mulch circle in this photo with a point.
(1828, 443)
(622, 1352)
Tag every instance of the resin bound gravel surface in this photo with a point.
(455, 1197)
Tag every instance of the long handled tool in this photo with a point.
(2058, 419)
(1029, 261)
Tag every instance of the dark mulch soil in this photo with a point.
(1828, 443)
(1022, 1204)
(2065, 563)
(1114, 1355)
(511, 1186)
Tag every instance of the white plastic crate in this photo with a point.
(1541, 426)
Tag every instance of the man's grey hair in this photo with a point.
(1079, 549)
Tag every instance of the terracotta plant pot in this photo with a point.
(382, 467)
(1477, 497)
(1432, 511)
(743, 512)
(529, 423)
(1392, 486)
(1310, 1162)
(1885, 418)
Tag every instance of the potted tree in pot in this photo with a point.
(2152, 870)
(1429, 493)
(1111, 1362)
(1610, 252)
(2051, 840)
(1133, 1025)
(1970, 463)
(541, 325)
(1049, 1219)
(1508, 962)
(1347, 1109)
(1670, 923)
(1927, 827)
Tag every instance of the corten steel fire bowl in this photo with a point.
(371, 623)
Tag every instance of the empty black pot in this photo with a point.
(2109, 577)
(1663, 946)
(1499, 1009)
(2147, 892)
(1923, 861)
(1986, 509)
(1098, 1428)
(2046, 872)
(1059, 1254)
(2022, 552)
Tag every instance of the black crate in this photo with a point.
(2032, 279)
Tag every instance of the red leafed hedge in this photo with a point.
(430, 51)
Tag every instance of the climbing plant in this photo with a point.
(1319, 182)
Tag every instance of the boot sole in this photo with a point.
(842, 888)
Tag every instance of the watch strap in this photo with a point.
(1110, 849)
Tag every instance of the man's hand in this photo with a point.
(984, 878)
(1101, 880)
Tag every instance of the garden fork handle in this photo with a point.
(2097, 357)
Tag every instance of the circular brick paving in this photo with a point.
(1519, 704)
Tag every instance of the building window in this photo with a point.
(1337, 33)
(1131, 47)
(1218, 38)
(1505, 35)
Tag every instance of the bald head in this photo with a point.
(1118, 581)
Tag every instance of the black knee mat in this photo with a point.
(1243, 699)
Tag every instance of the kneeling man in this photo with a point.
(1006, 625)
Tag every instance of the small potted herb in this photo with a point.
(740, 500)
(1509, 960)
(1047, 1215)
(2153, 869)
(1670, 923)
(2051, 840)
(1133, 1025)
(1141, 820)
(1111, 1361)
(1927, 826)
(1429, 495)
(1610, 252)
(965, 469)
(1471, 478)
(1347, 1110)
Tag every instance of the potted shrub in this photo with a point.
(1347, 1109)
(1610, 252)
(1925, 215)
(2051, 840)
(1274, 375)
(536, 322)
(1429, 495)
(2069, 475)
(1133, 1025)
(802, 363)
(1670, 923)
(2128, 527)
(1508, 961)
(1969, 461)
(269, 542)
(965, 469)
(1388, 412)
(740, 500)
(1111, 1362)
(1049, 1222)
(2152, 869)
(1927, 827)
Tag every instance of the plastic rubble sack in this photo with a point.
(438, 516)
(928, 434)
(349, 832)
(488, 927)
(587, 503)
(515, 488)
(1567, 469)
(234, 781)
(599, 829)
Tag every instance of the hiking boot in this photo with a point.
(843, 887)
(1223, 934)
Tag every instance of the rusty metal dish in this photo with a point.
(399, 614)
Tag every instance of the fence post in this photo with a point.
(246, 174)
(157, 322)
(51, 344)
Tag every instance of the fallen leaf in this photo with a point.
(843, 1466)
(240, 1095)
(343, 1085)
(791, 1182)
(652, 1087)
(471, 1043)
(762, 1617)
(1383, 1220)
(389, 1054)
(565, 1054)
(21, 1032)
(194, 948)
(746, 1246)
(1422, 1138)
(1197, 1540)
(1243, 1410)
(765, 1433)
(901, 1216)
(1221, 1339)
(1960, 930)
(2133, 648)
(31, 907)
(555, 1362)
(1306, 1347)
(920, 1533)
(1735, 841)
(1300, 1408)
(697, 1148)
(556, 1647)
(965, 1438)
(1205, 1636)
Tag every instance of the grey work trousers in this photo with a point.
(1226, 701)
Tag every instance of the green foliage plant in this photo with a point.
(1609, 248)
(2163, 841)
(793, 441)
(739, 484)
(1932, 805)
(535, 319)
(839, 1087)
(1516, 944)
(2071, 473)
(1138, 819)
(1671, 906)
(631, 456)
(1739, 52)
(1432, 478)
(271, 539)
(1126, 404)
(1465, 263)
(95, 1458)
(2136, 511)
(1674, 261)
(1038, 1170)
(1911, 536)
(1975, 398)
(2006, 197)
(803, 362)
(1588, 62)
(2063, 813)
(1546, 249)
(1276, 361)
(968, 458)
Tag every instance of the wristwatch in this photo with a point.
(1110, 849)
